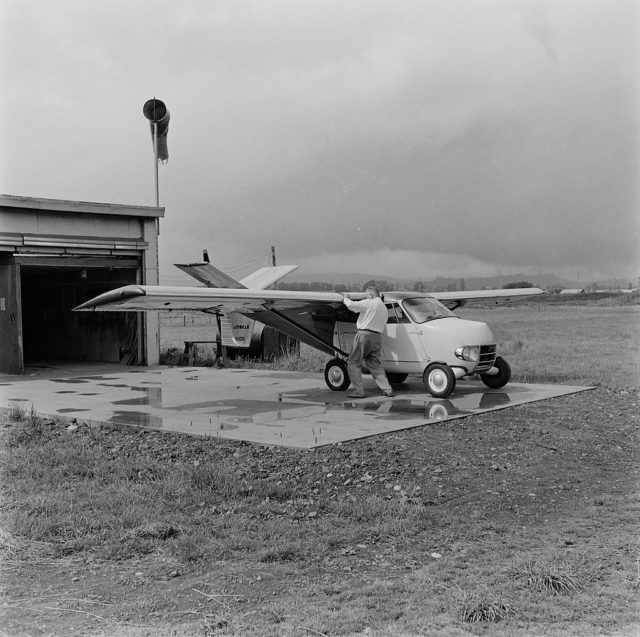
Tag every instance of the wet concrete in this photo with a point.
(275, 408)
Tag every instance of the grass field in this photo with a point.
(512, 523)
(571, 344)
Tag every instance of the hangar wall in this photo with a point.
(55, 254)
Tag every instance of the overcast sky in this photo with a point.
(410, 138)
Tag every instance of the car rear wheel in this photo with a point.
(336, 375)
(499, 379)
(439, 380)
(396, 378)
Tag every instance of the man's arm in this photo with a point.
(356, 306)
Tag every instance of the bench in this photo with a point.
(191, 351)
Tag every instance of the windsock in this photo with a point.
(156, 112)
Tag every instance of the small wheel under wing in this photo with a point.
(336, 375)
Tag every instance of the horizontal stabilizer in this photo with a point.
(209, 275)
(264, 277)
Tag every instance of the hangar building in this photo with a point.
(55, 254)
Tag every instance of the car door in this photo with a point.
(402, 347)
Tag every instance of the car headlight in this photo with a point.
(469, 353)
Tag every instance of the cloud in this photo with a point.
(503, 133)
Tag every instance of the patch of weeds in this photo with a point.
(27, 427)
(290, 553)
(546, 580)
(220, 479)
(490, 612)
(157, 530)
(267, 489)
(212, 624)
(373, 508)
(477, 606)
(17, 411)
(171, 356)
(196, 547)
(127, 547)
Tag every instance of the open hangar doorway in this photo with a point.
(52, 331)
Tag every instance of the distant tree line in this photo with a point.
(439, 285)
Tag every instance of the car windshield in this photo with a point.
(422, 309)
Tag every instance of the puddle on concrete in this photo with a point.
(285, 375)
(296, 412)
(236, 407)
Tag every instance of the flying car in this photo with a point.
(423, 335)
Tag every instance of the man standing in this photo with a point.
(367, 344)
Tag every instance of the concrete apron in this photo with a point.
(290, 409)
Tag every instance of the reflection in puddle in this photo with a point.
(153, 397)
(400, 408)
(236, 407)
(136, 418)
(489, 401)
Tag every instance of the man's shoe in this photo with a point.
(388, 393)
(355, 394)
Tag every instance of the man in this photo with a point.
(367, 344)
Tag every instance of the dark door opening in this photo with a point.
(51, 331)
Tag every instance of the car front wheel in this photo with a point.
(499, 379)
(439, 380)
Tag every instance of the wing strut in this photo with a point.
(306, 335)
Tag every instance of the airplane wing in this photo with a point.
(307, 316)
(457, 299)
(214, 278)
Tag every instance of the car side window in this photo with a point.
(395, 314)
(402, 317)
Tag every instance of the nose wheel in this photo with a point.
(336, 375)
